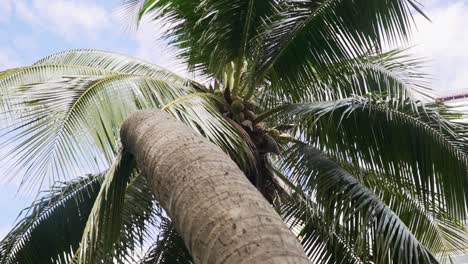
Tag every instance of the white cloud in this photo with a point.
(151, 47)
(444, 42)
(71, 19)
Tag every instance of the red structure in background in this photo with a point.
(455, 95)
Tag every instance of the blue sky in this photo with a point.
(32, 29)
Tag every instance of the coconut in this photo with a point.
(250, 106)
(239, 117)
(250, 115)
(237, 106)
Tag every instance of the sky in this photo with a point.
(32, 29)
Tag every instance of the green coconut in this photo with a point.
(235, 97)
(237, 106)
(250, 106)
(239, 117)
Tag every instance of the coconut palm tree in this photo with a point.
(338, 135)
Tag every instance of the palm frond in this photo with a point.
(140, 215)
(70, 123)
(111, 61)
(105, 219)
(64, 119)
(209, 33)
(50, 229)
(391, 139)
(394, 75)
(307, 36)
(437, 230)
(321, 244)
(351, 210)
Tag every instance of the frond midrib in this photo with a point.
(294, 34)
(144, 62)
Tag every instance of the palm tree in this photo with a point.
(338, 135)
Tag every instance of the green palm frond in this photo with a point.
(111, 61)
(66, 117)
(14, 80)
(351, 210)
(320, 244)
(307, 36)
(448, 120)
(394, 74)
(72, 120)
(105, 219)
(437, 230)
(140, 214)
(301, 214)
(391, 140)
(50, 229)
(209, 33)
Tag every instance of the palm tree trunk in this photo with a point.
(219, 214)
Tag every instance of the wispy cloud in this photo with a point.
(444, 42)
(151, 46)
(70, 19)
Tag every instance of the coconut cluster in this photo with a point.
(244, 114)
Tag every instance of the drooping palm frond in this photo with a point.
(437, 230)
(352, 211)
(209, 33)
(51, 228)
(308, 36)
(67, 116)
(301, 214)
(448, 120)
(139, 215)
(105, 219)
(394, 74)
(433, 226)
(390, 140)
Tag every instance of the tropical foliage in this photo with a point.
(341, 136)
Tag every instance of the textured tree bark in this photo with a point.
(219, 214)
